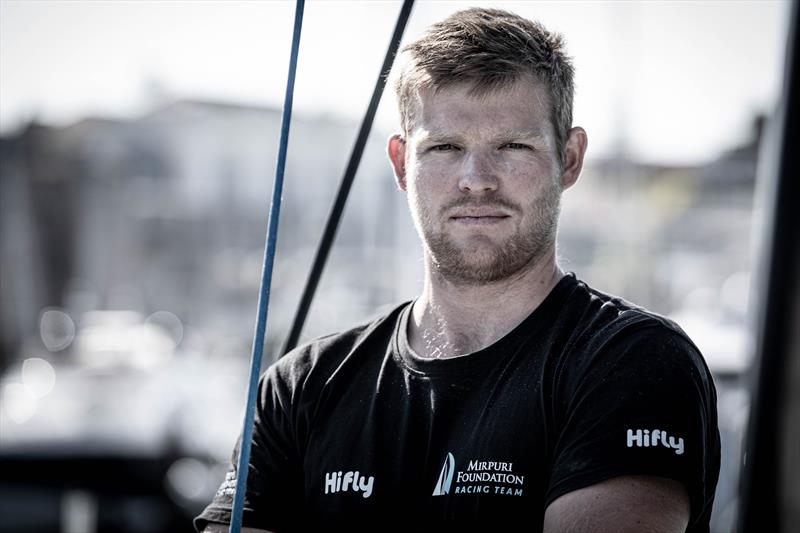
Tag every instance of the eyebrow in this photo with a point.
(435, 134)
(438, 135)
(523, 133)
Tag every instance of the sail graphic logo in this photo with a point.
(446, 476)
(480, 477)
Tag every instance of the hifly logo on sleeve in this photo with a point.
(480, 477)
(646, 438)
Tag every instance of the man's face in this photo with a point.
(483, 180)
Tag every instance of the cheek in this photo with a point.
(419, 201)
(428, 181)
(415, 190)
(531, 177)
(425, 199)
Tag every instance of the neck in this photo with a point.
(454, 319)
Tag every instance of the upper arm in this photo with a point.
(274, 488)
(644, 406)
(642, 504)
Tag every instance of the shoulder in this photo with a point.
(608, 333)
(602, 315)
(315, 361)
(599, 319)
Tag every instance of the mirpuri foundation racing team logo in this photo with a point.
(480, 477)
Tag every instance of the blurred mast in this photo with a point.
(335, 215)
(768, 489)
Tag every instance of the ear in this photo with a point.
(397, 155)
(574, 150)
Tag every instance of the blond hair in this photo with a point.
(489, 49)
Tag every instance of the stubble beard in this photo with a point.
(483, 260)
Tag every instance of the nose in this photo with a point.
(478, 175)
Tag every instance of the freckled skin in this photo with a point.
(483, 181)
(467, 152)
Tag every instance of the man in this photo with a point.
(508, 395)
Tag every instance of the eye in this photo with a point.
(517, 146)
(443, 148)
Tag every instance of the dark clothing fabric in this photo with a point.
(354, 431)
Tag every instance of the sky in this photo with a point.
(667, 82)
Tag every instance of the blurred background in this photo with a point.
(137, 148)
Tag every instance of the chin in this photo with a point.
(478, 263)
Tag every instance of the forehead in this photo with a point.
(523, 105)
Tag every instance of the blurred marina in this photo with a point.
(132, 250)
(130, 256)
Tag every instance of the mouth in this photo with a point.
(484, 214)
(479, 220)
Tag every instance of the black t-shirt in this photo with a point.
(356, 432)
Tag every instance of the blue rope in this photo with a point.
(266, 281)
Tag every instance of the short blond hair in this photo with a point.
(489, 49)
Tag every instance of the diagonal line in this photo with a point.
(332, 224)
(266, 281)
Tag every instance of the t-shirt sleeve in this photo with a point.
(274, 482)
(644, 404)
